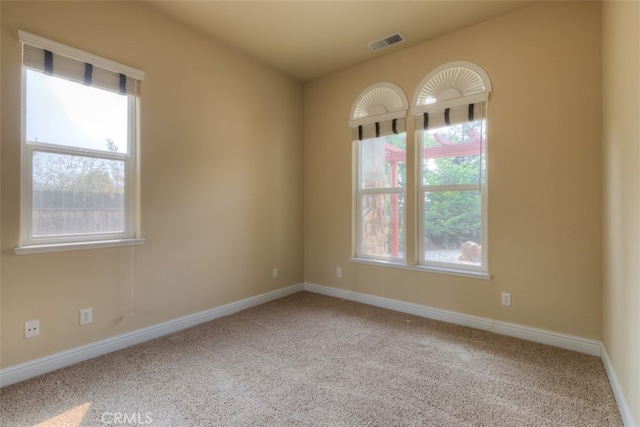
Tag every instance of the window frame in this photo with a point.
(450, 89)
(130, 234)
(452, 93)
(423, 189)
(378, 106)
(361, 192)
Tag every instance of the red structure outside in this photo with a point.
(446, 148)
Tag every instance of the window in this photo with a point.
(449, 193)
(80, 147)
(450, 109)
(378, 122)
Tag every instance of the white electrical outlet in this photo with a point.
(275, 273)
(86, 315)
(338, 272)
(32, 328)
(506, 299)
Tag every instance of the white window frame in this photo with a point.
(379, 103)
(131, 233)
(453, 96)
(361, 192)
(423, 189)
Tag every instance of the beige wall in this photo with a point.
(222, 202)
(545, 170)
(621, 90)
(221, 182)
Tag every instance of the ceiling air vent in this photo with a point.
(386, 42)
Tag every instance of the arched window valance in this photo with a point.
(379, 110)
(452, 93)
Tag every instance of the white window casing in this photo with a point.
(379, 112)
(448, 97)
(58, 60)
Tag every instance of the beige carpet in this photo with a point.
(313, 360)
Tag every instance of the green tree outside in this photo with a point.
(453, 217)
(60, 172)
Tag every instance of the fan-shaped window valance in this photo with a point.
(451, 84)
(379, 103)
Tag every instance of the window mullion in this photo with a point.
(74, 151)
(450, 187)
(392, 190)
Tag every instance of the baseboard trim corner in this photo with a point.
(556, 339)
(623, 406)
(23, 371)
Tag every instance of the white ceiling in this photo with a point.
(309, 39)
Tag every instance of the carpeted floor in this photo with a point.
(309, 359)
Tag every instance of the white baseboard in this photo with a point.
(556, 339)
(32, 368)
(20, 372)
(625, 411)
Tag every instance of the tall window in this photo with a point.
(79, 146)
(450, 109)
(447, 173)
(378, 122)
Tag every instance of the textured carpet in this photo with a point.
(308, 359)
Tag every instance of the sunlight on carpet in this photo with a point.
(71, 418)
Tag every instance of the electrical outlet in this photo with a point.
(32, 328)
(275, 273)
(506, 299)
(338, 272)
(86, 315)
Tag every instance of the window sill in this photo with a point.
(440, 270)
(77, 246)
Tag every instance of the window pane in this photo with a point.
(453, 155)
(453, 227)
(77, 195)
(383, 225)
(383, 162)
(63, 112)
